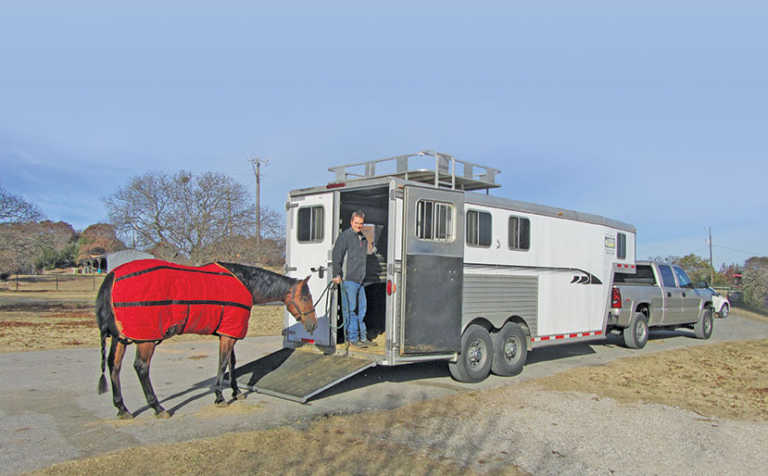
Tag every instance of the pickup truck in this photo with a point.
(657, 295)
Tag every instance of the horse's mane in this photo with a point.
(261, 282)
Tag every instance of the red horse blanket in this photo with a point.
(154, 299)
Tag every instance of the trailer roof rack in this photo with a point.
(426, 166)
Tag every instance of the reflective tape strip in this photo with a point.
(574, 335)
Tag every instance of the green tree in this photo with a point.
(755, 282)
(697, 268)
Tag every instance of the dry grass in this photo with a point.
(726, 380)
(41, 320)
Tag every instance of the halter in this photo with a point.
(314, 306)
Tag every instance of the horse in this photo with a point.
(147, 301)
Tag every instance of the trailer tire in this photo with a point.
(474, 361)
(636, 333)
(510, 350)
(703, 327)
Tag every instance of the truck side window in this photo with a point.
(310, 229)
(621, 246)
(478, 228)
(519, 233)
(667, 277)
(682, 277)
(434, 220)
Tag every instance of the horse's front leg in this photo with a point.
(115, 362)
(144, 351)
(226, 344)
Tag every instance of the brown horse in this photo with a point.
(146, 301)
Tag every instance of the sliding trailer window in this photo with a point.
(310, 229)
(435, 221)
(621, 246)
(519, 233)
(478, 228)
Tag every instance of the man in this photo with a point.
(352, 245)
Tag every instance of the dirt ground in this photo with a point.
(725, 380)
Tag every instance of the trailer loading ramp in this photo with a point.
(299, 375)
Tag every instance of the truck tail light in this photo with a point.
(616, 298)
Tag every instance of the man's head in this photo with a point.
(357, 221)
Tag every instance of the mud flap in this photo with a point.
(299, 375)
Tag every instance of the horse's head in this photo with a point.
(298, 301)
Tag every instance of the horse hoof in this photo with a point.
(124, 415)
(241, 396)
(164, 415)
(222, 404)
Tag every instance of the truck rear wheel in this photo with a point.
(703, 327)
(636, 334)
(510, 350)
(474, 361)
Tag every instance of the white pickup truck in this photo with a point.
(657, 295)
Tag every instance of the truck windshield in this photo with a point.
(682, 278)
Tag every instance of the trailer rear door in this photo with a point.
(309, 243)
(434, 270)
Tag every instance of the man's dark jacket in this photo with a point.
(355, 247)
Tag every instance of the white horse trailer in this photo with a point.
(452, 274)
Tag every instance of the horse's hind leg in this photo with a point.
(115, 362)
(144, 351)
(232, 380)
(226, 344)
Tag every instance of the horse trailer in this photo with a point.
(453, 273)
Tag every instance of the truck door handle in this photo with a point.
(320, 271)
(669, 294)
(683, 294)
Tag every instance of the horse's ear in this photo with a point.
(307, 279)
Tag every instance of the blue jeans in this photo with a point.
(354, 293)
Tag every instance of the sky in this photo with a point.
(652, 113)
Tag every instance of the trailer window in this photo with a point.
(621, 246)
(310, 227)
(519, 233)
(434, 221)
(478, 228)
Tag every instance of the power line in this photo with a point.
(753, 253)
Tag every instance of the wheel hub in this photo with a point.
(510, 349)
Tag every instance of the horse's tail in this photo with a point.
(103, 379)
(103, 316)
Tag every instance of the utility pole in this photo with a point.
(256, 164)
(711, 266)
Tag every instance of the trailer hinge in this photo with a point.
(393, 268)
(395, 194)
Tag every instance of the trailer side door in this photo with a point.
(309, 242)
(433, 238)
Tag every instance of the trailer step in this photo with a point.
(298, 375)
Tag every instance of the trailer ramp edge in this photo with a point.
(302, 375)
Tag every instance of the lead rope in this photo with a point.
(343, 325)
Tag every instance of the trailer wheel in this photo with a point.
(510, 350)
(703, 327)
(636, 334)
(474, 362)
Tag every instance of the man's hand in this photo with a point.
(337, 280)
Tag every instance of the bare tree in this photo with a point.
(183, 212)
(16, 210)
